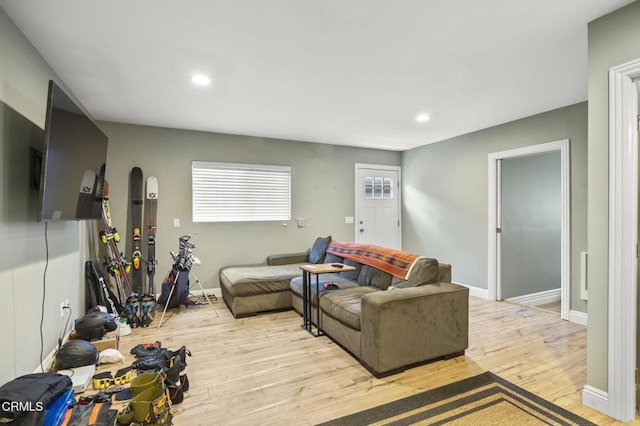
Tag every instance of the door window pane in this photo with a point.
(378, 188)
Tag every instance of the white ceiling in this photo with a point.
(348, 72)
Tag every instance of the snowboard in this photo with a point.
(151, 220)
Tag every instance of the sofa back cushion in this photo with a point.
(352, 275)
(319, 249)
(374, 277)
(332, 258)
(425, 271)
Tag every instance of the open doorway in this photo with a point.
(529, 242)
(496, 273)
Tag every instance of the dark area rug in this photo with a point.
(486, 399)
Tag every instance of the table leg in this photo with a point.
(317, 307)
(305, 300)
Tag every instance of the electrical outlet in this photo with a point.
(64, 306)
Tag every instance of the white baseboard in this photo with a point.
(482, 293)
(537, 299)
(50, 359)
(595, 398)
(47, 362)
(578, 317)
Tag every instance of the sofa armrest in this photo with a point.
(444, 273)
(288, 258)
(406, 326)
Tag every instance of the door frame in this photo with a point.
(493, 282)
(357, 167)
(623, 240)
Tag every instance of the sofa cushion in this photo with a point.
(296, 285)
(351, 275)
(374, 277)
(425, 271)
(332, 258)
(344, 305)
(319, 249)
(247, 280)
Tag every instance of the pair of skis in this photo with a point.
(114, 261)
(141, 302)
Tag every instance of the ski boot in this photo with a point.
(150, 407)
(140, 383)
(133, 306)
(176, 380)
(146, 349)
(148, 305)
(102, 381)
(122, 376)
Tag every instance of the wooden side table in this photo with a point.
(307, 271)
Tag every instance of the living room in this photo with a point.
(455, 167)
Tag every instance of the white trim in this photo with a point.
(482, 293)
(584, 288)
(398, 169)
(623, 237)
(493, 283)
(537, 299)
(579, 317)
(49, 360)
(595, 398)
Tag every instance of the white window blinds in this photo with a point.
(228, 192)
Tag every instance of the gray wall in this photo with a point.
(613, 40)
(24, 77)
(531, 224)
(322, 191)
(445, 192)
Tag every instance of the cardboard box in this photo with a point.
(111, 340)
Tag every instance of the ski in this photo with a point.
(136, 234)
(115, 263)
(87, 194)
(151, 220)
(101, 295)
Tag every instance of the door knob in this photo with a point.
(361, 229)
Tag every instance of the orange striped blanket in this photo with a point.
(395, 262)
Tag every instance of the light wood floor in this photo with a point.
(266, 370)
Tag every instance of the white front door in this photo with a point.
(378, 205)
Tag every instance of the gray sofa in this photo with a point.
(250, 289)
(387, 323)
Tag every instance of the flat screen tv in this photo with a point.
(73, 162)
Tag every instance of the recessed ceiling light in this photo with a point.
(201, 80)
(421, 118)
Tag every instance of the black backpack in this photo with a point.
(30, 394)
(178, 280)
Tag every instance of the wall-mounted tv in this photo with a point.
(73, 162)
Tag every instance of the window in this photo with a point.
(378, 188)
(227, 192)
